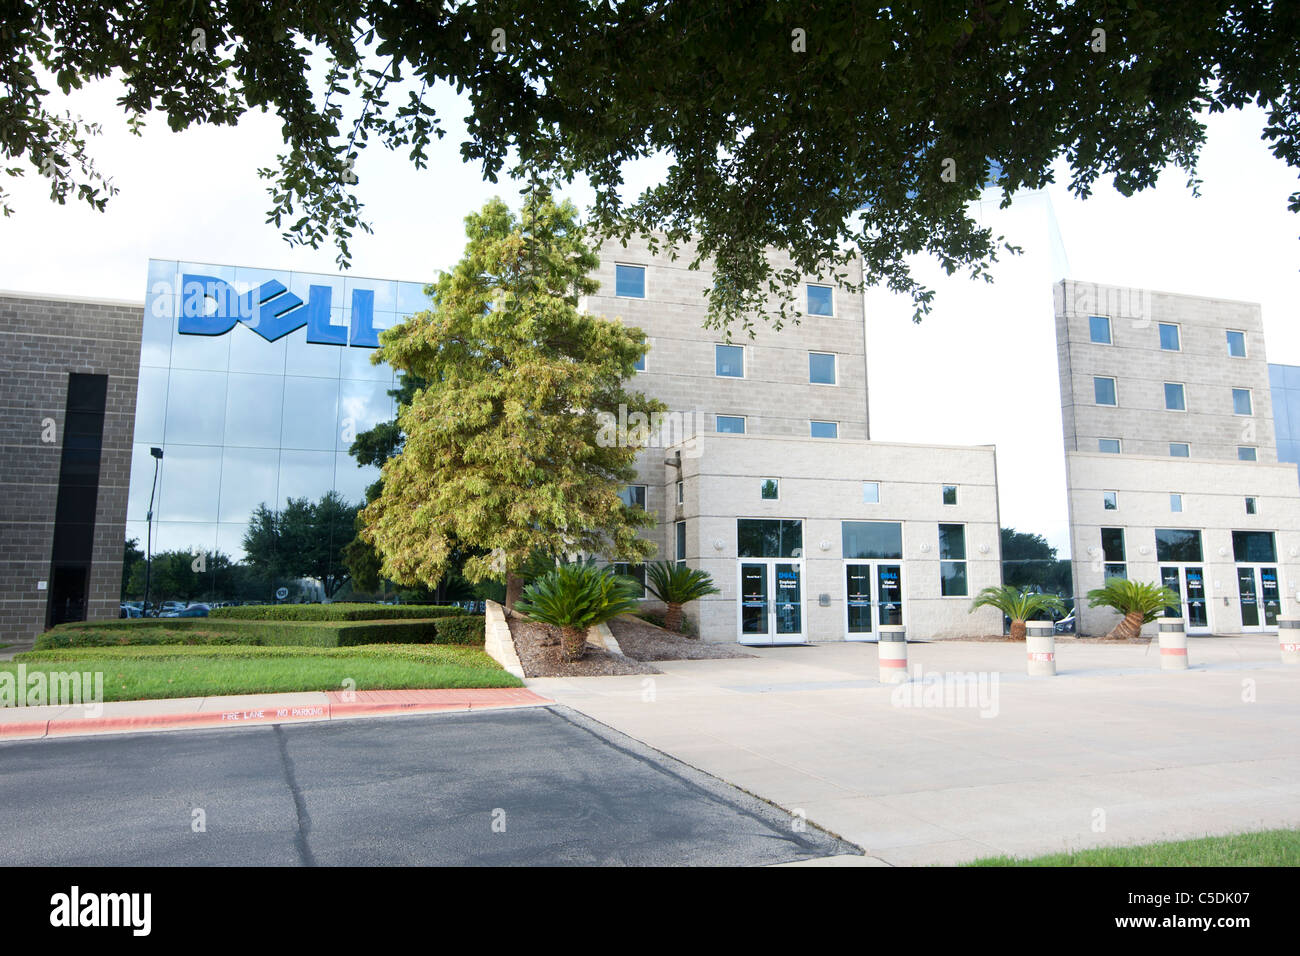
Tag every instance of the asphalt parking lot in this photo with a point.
(542, 786)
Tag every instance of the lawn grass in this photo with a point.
(1266, 848)
(151, 671)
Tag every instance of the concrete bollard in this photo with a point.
(1173, 644)
(1040, 648)
(1288, 639)
(892, 652)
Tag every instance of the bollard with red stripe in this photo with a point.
(892, 652)
(1288, 639)
(1173, 644)
(1040, 648)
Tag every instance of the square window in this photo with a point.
(1251, 506)
(629, 282)
(1246, 453)
(824, 429)
(871, 492)
(1236, 344)
(1169, 338)
(1108, 446)
(1103, 390)
(821, 368)
(729, 361)
(1180, 449)
(821, 300)
(731, 425)
(1110, 500)
(950, 494)
(1175, 397)
(633, 496)
(771, 490)
(1241, 403)
(1099, 329)
(1175, 501)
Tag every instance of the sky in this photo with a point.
(981, 369)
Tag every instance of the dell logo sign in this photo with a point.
(272, 311)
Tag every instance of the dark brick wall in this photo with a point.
(41, 342)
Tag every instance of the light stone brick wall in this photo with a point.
(821, 485)
(775, 395)
(1213, 497)
(1141, 369)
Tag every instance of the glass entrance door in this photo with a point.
(771, 602)
(1260, 597)
(865, 615)
(1188, 582)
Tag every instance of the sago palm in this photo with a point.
(677, 585)
(574, 597)
(1018, 604)
(1139, 602)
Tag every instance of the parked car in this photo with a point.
(1066, 624)
(128, 610)
(194, 610)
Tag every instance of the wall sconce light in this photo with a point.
(984, 549)
(824, 544)
(1145, 549)
(1223, 552)
(718, 544)
(925, 549)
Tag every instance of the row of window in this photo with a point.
(1110, 502)
(1183, 546)
(634, 496)
(629, 283)
(1105, 392)
(1177, 449)
(735, 425)
(729, 362)
(1169, 333)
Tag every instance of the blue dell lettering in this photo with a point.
(272, 311)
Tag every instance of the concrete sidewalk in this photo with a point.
(1112, 751)
(26, 723)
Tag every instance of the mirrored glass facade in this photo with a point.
(254, 383)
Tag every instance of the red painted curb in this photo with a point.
(340, 704)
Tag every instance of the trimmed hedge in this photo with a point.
(462, 629)
(335, 612)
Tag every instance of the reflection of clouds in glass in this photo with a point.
(310, 413)
(189, 483)
(196, 407)
(362, 405)
(352, 481)
(249, 477)
(305, 474)
(254, 410)
(191, 536)
(151, 405)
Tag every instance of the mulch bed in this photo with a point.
(642, 641)
(538, 647)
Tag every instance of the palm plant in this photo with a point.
(1139, 602)
(574, 597)
(1018, 604)
(676, 585)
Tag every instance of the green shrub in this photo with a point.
(334, 612)
(467, 629)
(462, 629)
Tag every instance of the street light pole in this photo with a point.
(148, 546)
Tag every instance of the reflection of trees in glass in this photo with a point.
(304, 540)
(181, 576)
(131, 555)
(1028, 561)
